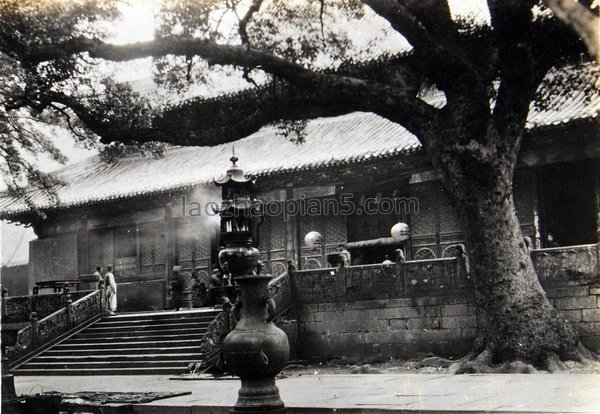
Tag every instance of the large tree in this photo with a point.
(303, 59)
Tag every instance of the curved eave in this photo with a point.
(18, 213)
(223, 181)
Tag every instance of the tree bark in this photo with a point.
(581, 20)
(518, 321)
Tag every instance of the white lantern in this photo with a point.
(400, 231)
(313, 239)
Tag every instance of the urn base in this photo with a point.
(258, 396)
(260, 411)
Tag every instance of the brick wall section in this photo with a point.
(581, 305)
(444, 325)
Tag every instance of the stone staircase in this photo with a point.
(146, 343)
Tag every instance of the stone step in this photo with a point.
(145, 327)
(103, 371)
(122, 350)
(139, 336)
(167, 314)
(150, 343)
(128, 344)
(165, 321)
(161, 331)
(106, 364)
(189, 356)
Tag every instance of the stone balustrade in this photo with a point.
(379, 281)
(41, 332)
(562, 265)
(19, 308)
(280, 290)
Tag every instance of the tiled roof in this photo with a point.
(350, 138)
(347, 139)
(566, 95)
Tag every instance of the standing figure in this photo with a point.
(551, 241)
(200, 285)
(111, 290)
(98, 275)
(345, 257)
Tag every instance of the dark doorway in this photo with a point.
(378, 208)
(567, 203)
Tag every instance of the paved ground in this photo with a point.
(565, 393)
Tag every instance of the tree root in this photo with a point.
(482, 362)
(435, 362)
(552, 363)
(585, 354)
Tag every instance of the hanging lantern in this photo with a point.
(400, 231)
(313, 240)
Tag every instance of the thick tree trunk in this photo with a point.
(519, 323)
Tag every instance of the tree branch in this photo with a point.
(243, 24)
(520, 75)
(426, 24)
(327, 93)
(429, 27)
(107, 129)
(224, 119)
(582, 20)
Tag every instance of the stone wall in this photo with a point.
(581, 305)
(421, 307)
(405, 327)
(381, 311)
(15, 279)
(571, 277)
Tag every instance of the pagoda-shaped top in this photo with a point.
(234, 173)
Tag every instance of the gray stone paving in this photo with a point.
(530, 393)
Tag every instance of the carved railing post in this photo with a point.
(463, 266)
(102, 295)
(400, 260)
(9, 395)
(4, 296)
(34, 299)
(68, 307)
(34, 329)
(291, 269)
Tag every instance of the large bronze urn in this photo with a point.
(256, 350)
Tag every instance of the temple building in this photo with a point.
(351, 179)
